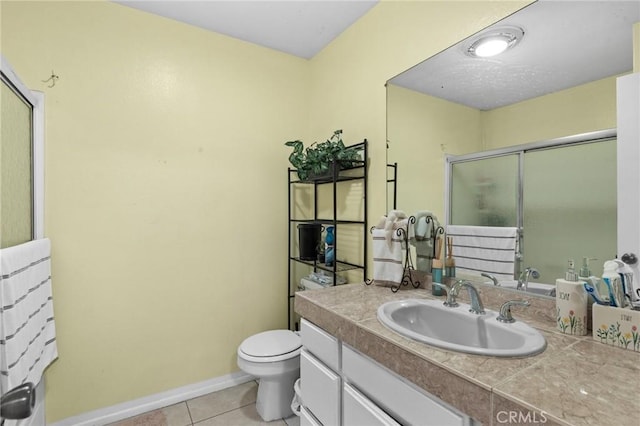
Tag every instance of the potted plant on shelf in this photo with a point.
(316, 161)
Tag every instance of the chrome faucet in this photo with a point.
(523, 280)
(454, 290)
(474, 296)
(505, 310)
(452, 293)
(491, 277)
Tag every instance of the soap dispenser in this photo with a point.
(585, 272)
(571, 303)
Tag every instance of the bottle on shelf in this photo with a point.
(329, 246)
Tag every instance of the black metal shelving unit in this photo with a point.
(357, 173)
(393, 180)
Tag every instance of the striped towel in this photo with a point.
(27, 329)
(387, 256)
(489, 249)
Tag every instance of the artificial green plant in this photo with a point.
(316, 160)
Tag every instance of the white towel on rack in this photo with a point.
(27, 329)
(489, 249)
(387, 247)
(387, 256)
(421, 239)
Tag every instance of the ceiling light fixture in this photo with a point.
(493, 42)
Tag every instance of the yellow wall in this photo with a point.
(348, 77)
(580, 109)
(421, 129)
(165, 194)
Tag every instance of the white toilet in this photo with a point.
(274, 358)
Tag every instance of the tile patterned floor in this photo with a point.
(229, 407)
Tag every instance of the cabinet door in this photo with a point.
(320, 389)
(321, 344)
(307, 419)
(358, 410)
(404, 401)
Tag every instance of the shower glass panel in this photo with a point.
(16, 168)
(569, 191)
(485, 192)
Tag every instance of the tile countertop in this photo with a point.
(575, 381)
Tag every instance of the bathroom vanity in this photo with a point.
(354, 362)
(371, 394)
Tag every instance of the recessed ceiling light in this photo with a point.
(493, 42)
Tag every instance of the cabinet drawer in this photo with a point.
(324, 346)
(358, 410)
(320, 388)
(307, 419)
(405, 402)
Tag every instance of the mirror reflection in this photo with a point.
(551, 84)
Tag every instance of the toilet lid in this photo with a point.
(271, 343)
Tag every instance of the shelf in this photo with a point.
(329, 179)
(356, 172)
(330, 221)
(340, 266)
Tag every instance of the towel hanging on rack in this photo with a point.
(387, 247)
(27, 329)
(485, 249)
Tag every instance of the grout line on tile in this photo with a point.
(189, 411)
(221, 413)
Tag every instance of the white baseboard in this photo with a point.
(153, 402)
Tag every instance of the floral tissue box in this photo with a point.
(618, 327)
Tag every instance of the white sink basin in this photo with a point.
(457, 329)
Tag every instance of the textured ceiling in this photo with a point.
(566, 43)
(301, 28)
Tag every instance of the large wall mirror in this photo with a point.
(556, 81)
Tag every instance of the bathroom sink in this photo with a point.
(457, 329)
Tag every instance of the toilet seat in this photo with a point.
(270, 346)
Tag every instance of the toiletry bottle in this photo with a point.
(585, 272)
(436, 270)
(329, 244)
(571, 303)
(631, 288)
(613, 282)
(450, 262)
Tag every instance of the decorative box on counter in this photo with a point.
(619, 327)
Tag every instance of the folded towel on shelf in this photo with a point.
(485, 249)
(27, 329)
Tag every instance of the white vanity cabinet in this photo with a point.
(357, 409)
(320, 381)
(400, 399)
(341, 386)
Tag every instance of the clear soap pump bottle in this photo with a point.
(571, 303)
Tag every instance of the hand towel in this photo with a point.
(485, 249)
(422, 239)
(387, 256)
(27, 329)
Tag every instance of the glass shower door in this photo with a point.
(16, 167)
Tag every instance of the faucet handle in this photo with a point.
(452, 293)
(505, 310)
